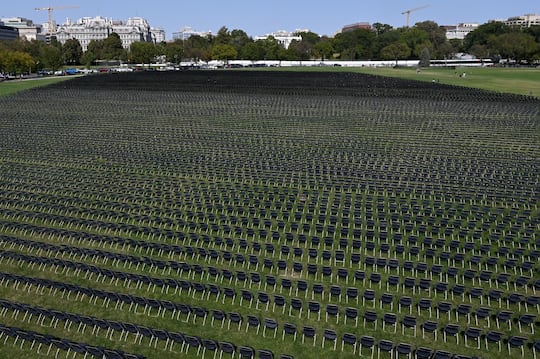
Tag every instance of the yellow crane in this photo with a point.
(408, 12)
(50, 9)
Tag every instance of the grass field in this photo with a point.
(9, 87)
(158, 199)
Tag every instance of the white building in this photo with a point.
(158, 35)
(460, 31)
(27, 29)
(526, 20)
(99, 28)
(284, 38)
(187, 32)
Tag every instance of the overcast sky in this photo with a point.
(257, 17)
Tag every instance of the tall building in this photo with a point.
(526, 20)
(99, 28)
(460, 31)
(8, 32)
(26, 28)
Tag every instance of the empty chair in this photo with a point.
(451, 330)
(390, 319)
(314, 307)
(369, 295)
(331, 335)
(387, 299)
(253, 321)
(371, 318)
(368, 342)
(351, 313)
(289, 329)
(505, 317)
(385, 346)
(265, 354)
(349, 339)
(263, 298)
(423, 353)
(219, 316)
(235, 318)
(352, 293)
(309, 332)
(472, 334)
(493, 337)
(332, 310)
(408, 322)
(516, 342)
(211, 345)
(296, 304)
(279, 301)
(429, 327)
(526, 320)
(403, 349)
(246, 352)
(270, 324)
(405, 302)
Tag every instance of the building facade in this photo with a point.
(99, 28)
(460, 31)
(8, 32)
(356, 26)
(526, 20)
(187, 32)
(26, 28)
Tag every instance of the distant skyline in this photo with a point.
(260, 18)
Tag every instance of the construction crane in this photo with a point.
(408, 12)
(50, 10)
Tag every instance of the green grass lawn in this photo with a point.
(9, 87)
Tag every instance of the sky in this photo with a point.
(255, 17)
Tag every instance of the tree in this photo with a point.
(300, 50)
(381, 28)
(223, 36)
(425, 57)
(324, 48)
(515, 45)
(252, 51)
(224, 52)
(51, 57)
(174, 51)
(112, 48)
(396, 51)
(142, 52)
(72, 51)
(484, 34)
(15, 62)
(239, 39)
(88, 58)
(356, 44)
(96, 48)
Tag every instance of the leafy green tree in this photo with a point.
(112, 48)
(396, 51)
(198, 48)
(425, 57)
(96, 47)
(15, 62)
(485, 33)
(381, 28)
(515, 45)
(413, 37)
(72, 50)
(224, 52)
(51, 57)
(174, 51)
(252, 51)
(300, 50)
(142, 52)
(223, 36)
(356, 44)
(88, 58)
(239, 39)
(324, 48)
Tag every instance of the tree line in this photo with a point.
(424, 40)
